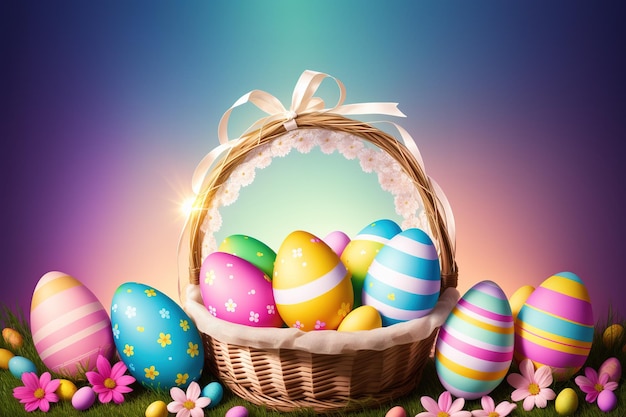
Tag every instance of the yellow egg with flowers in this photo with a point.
(312, 287)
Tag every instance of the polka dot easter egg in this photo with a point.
(235, 290)
(474, 347)
(70, 326)
(155, 338)
(250, 249)
(359, 253)
(312, 287)
(404, 279)
(555, 326)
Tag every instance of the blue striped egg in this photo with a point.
(359, 253)
(474, 347)
(404, 279)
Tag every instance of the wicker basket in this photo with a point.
(327, 371)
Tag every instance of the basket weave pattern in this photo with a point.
(288, 379)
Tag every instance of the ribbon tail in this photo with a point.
(307, 85)
(203, 167)
(446, 209)
(387, 109)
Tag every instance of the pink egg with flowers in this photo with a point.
(235, 290)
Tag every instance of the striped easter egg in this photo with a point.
(359, 253)
(312, 288)
(70, 327)
(404, 279)
(474, 347)
(555, 326)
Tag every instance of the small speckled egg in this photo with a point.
(214, 391)
(612, 367)
(70, 327)
(19, 364)
(404, 279)
(5, 357)
(312, 287)
(157, 409)
(12, 338)
(337, 241)
(607, 401)
(397, 411)
(360, 252)
(612, 334)
(519, 297)
(235, 290)
(555, 326)
(361, 318)
(66, 390)
(237, 411)
(474, 347)
(157, 341)
(250, 249)
(566, 402)
(83, 398)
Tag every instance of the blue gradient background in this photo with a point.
(518, 109)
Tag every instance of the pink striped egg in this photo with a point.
(70, 327)
(474, 347)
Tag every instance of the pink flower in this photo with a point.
(532, 387)
(592, 385)
(110, 383)
(37, 392)
(188, 404)
(491, 410)
(445, 407)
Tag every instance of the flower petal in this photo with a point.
(31, 406)
(44, 379)
(193, 391)
(480, 413)
(527, 369)
(426, 414)
(543, 376)
(547, 393)
(175, 406)
(611, 386)
(52, 385)
(505, 408)
(104, 367)
(445, 400)
(203, 402)
(30, 380)
(196, 412)
(529, 402)
(541, 401)
(519, 394)
(95, 378)
(487, 403)
(125, 380)
(44, 405)
(178, 395)
(456, 406)
(591, 374)
(430, 405)
(106, 396)
(517, 381)
(23, 393)
(118, 370)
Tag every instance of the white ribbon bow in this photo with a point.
(303, 102)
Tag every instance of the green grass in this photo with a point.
(137, 401)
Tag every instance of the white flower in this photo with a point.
(243, 175)
(349, 147)
(260, 157)
(368, 158)
(131, 312)
(280, 147)
(230, 305)
(254, 317)
(327, 144)
(213, 311)
(164, 313)
(114, 308)
(296, 253)
(228, 193)
(406, 204)
(271, 309)
(304, 143)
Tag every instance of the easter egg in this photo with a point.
(235, 290)
(66, 390)
(12, 338)
(214, 391)
(397, 411)
(474, 347)
(157, 409)
(237, 411)
(607, 401)
(337, 241)
(612, 367)
(359, 253)
(157, 341)
(83, 398)
(70, 326)
(312, 287)
(404, 279)
(5, 357)
(612, 334)
(19, 364)
(519, 297)
(566, 402)
(361, 318)
(555, 326)
(250, 249)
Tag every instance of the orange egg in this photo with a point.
(12, 337)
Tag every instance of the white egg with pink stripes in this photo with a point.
(70, 327)
(404, 279)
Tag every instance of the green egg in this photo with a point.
(252, 250)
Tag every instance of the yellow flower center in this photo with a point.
(109, 383)
(493, 414)
(599, 387)
(189, 405)
(534, 389)
(443, 414)
(39, 393)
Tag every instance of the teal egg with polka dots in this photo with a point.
(157, 341)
